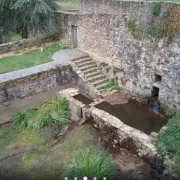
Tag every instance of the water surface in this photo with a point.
(136, 115)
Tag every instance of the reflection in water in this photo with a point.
(154, 105)
(136, 115)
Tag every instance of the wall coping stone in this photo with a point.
(30, 71)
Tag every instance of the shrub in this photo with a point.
(169, 145)
(66, 43)
(156, 9)
(55, 112)
(90, 164)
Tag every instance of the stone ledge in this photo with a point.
(30, 71)
(122, 132)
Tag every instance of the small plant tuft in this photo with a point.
(112, 85)
(91, 164)
(134, 29)
(156, 9)
(54, 112)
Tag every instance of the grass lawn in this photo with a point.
(166, 0)
(68, 4)
(47, 163)
(38, 153)
(28, 59)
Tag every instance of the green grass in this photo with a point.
(68, 4)
(49, 163)
(169, 145)
(13, 136)
(91, 164)
(112, 85)
(49, 112)
(28, 59)
(166, 0)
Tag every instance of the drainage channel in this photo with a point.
(85, 100)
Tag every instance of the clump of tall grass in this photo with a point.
(91, 164)
(48, 112)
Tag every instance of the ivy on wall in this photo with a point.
(162, 24)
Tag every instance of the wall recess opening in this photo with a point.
(158, 77)
(74, 35)
(155, 92)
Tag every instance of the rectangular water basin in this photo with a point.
(136, 115)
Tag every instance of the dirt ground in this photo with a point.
(115, 97)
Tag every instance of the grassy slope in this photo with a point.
(49, 163)
(27, 59)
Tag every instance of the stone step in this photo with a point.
(95, 78)
(82, 60)
(84, 68)
(101, 86)
(98, 82)
(83, 57)
(95, 73)
(86, 63)
(92, 70)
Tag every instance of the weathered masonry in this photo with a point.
(135, 43)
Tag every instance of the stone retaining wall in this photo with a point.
(30, 81)
(28, 43)
(104, 33)
(115, 131)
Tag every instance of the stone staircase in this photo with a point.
(91, 72)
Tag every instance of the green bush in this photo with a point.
(66, 43)
(90, 164)
(55, 112)
(169, 145)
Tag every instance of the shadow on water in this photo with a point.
(136, 115)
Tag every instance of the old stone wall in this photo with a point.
(65, 21)
(114, 33)
(28, 43)
(30, 81)
(112, 129)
